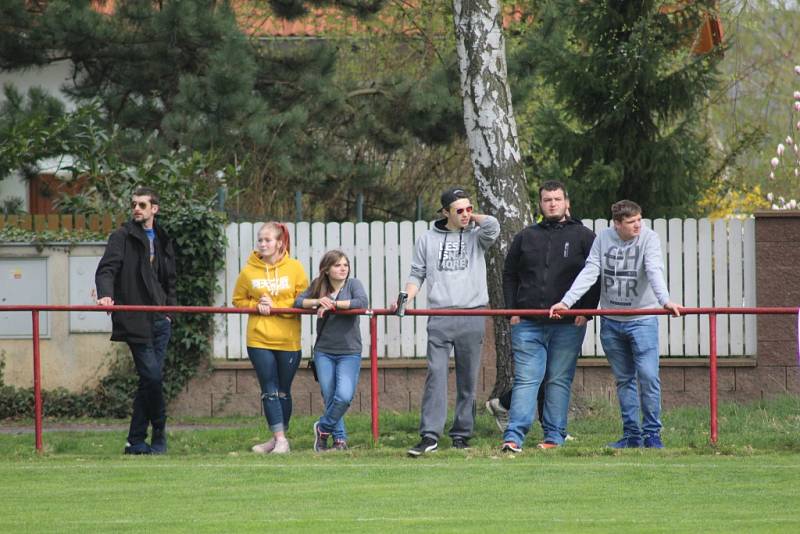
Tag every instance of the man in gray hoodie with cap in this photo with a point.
(450, 256)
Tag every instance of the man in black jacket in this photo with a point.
(138, 268)
(541, 264)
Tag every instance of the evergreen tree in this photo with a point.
(626, 94)
(178, 74)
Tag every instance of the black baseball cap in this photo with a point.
(451, 195)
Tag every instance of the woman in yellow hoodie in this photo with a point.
(272, 279)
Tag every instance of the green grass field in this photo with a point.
(210, 482)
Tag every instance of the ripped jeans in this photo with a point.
(275, 370)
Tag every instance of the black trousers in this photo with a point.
(149, 408)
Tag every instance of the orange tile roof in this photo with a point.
(257, 20)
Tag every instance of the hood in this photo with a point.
(441, 226)
(254, 260)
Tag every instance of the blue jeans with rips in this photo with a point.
(632, 350)
(338, 378)
(544, 353)
(149, 407)
(275, 370)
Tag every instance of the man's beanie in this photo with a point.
(451, 195)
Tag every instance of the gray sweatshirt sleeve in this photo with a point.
(488, 232)
(298, 302)
(418, 264)
(586, 278)
(654, 267)
(358, 297)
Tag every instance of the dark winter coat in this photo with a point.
(543, 261)
(126, 275)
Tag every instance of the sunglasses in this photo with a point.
(142, 205)
(468, 209)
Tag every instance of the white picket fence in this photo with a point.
(708, 263)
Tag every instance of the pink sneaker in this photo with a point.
(264, 448)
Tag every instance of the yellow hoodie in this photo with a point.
(282, 282)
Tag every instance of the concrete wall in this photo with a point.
(70, 360)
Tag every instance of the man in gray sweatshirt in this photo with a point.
(627, 259)
(450, 256)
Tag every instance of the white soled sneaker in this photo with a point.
(281, 446)
(264, 448)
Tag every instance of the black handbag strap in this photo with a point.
(324, 320)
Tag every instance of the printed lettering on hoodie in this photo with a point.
(620, 274)
(273, 286)
(453, 257)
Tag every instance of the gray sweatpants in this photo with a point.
(463, 334)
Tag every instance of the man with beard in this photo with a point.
(542, 262)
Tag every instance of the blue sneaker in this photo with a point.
(627, 443)
(138, 448)
(653, 441)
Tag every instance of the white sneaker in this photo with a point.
(264, 448)
(499, 413)
(281, 446)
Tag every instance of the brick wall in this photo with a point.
(231, 388)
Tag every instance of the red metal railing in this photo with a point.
(373, 327)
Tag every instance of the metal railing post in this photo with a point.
(373, 368)
(712, 374)
(37, 383)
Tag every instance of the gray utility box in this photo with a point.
(23, 281)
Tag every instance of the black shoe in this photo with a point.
(158, 445)
(426, 445)
(320, 439)
(460, 443)
(138, 448)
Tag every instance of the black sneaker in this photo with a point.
(460, 443)
(320, 439)
(425, 445)
(340, 445)
(158, 445)
(138, 448)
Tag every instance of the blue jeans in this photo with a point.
(275, 370)
(149, 407)
(338, 378)
(632, 350)
(543, 353)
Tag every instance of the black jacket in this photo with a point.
(543, 261)
(126, 275)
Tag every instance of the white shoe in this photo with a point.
(264, 448)
(281, 446)
(499, 413)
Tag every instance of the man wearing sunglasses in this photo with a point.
(138, 268)
(450, 256)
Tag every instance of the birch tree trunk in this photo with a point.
(494, 148)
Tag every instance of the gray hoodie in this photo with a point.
(453, 263)
(631, 272)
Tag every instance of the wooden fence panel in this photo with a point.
(721, 283)
(675, 282)
(735, 286)
(690, 289)
(705, 270)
